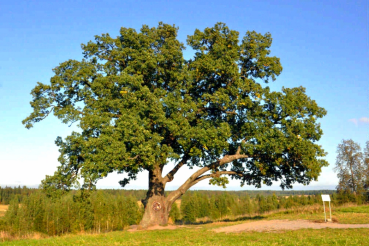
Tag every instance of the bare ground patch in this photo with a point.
(278, 225)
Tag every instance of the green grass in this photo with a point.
(358, 209)
(343, 215)
(353, 215)
(203, 236)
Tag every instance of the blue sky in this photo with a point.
(323, 46)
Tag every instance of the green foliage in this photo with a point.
(175, 214)
(140, 104)
(219, 181)
(189, 208)
(193, 235)
(219, 206)
(349, 167)
(204, 206)
(96, 211)
(247, 206)
(352, 167)
(9, 193)
(12, 213)
(227, 205)
(109, 210)
(358, 209)
(343, 197)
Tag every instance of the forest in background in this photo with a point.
(8, 193)
(31, 210)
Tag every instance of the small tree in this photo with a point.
(189, 208)
(350, 168)
(11, 216)
(247, 205)
(221, 205)
(175, 214)
(141, 106)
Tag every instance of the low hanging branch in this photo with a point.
(196, 177)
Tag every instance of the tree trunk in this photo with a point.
(156, 212)
(156, 206)
(352, 175)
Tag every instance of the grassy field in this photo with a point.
(202, 234)
(343, 215)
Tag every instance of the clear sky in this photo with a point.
(323, 46)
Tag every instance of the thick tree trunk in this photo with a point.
(156, 212)
(156, 206)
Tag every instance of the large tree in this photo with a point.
(141, 106)
(350, 166)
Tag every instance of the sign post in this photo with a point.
(326, 198)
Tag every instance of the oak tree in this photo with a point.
(140, 105)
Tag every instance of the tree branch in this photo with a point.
(116, 116)
(190, 181)
(226, 159)
(217, 174)
(52, 108)
(231, 112)
(169, 177)
(133, 158)
(239, 147)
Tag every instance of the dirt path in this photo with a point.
(277, 225)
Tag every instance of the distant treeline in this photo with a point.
(254, 193)
(195, 205)
(8, 193)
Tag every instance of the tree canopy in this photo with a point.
(141, 105)
(352, 167)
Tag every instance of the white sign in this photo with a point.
(326, 198)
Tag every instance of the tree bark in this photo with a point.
(157, 206)
(156, 212)
(155, 203)
(351, 161)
